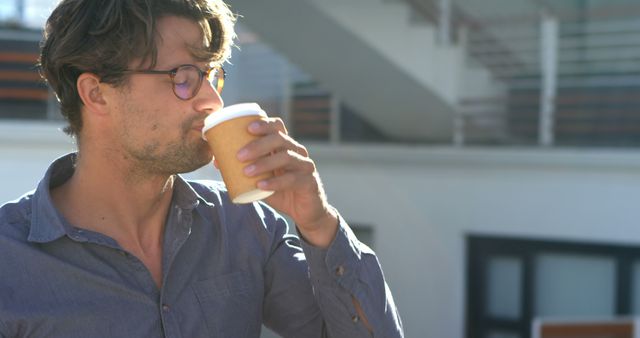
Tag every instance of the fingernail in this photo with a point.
(254, 126)
(250, 169)
(242, 154)
(262, 185)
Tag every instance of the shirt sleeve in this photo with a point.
(350, 268)
(308, 291)
(3, 330)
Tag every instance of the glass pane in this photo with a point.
(504, 283)
(635, 288)
(502, 334)
(364, 233)
(573, 285)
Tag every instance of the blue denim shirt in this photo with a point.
(226, 270)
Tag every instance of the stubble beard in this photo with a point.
(182, 155)
(179, 157)
(156, 156)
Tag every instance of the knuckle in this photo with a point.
(303, 150)
(311, 166)
(291, 153)
(283, 141)
(291, 179)
(281, 126)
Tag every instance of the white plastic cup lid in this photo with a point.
(231, 112)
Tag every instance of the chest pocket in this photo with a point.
(231, 305)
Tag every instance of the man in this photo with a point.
(113, 243)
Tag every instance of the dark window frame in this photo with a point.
(481, 248)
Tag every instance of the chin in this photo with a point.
(201, 160)
(187, 159)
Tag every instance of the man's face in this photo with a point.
(158, 131)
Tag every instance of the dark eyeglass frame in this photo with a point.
(218, 84)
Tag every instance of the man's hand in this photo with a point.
(298, 189)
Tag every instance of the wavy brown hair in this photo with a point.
(104, 36)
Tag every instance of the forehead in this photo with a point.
(176, 38)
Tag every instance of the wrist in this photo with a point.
(321, 232)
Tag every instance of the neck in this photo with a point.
(115, 198)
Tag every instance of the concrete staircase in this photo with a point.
(392, 71)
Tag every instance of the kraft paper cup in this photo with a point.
(226, 132)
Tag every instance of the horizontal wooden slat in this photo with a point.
(19, 57)
(310, 117)
(312, 128)
(599, 114)
(593, 130)
(587, 330)
(311, 104)
(24, 94)
(16, 75)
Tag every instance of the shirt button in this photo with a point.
(77, 237)
(340, 270)
(165, 307)
(355, 318)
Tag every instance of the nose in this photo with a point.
(208, 100)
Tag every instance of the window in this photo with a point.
(364, 233)
(511, 281)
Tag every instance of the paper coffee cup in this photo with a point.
(226, 132)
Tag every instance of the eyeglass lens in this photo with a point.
(188, 79)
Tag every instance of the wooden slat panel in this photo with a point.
(24, 94)
(19, 57)
(312, 104)
(310, 117)
(588, 330)
(16, 75)
(313, 129)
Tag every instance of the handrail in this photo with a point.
(429, 10)
(506, 58)
(606, 12)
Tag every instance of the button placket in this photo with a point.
(340, 270)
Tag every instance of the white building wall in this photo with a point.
(423, 201)
(26, 149)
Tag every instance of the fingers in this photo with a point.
(276, 152)
(274, 138)
(287, 180)
(267, 126)
(283, 161)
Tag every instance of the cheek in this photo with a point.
(153, 114)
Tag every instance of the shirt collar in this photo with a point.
(184, 196)
(47, 224)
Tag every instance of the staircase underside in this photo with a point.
(382, 93)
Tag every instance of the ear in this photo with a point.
(91, 94)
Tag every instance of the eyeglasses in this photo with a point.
(187, 79)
